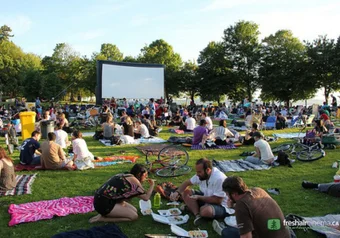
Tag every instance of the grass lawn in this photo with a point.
(56, 184)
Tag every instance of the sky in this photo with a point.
(187, 25)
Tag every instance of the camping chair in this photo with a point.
(270, 123)
(310, 120)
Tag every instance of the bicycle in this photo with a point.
(173, 160)
(302, 151)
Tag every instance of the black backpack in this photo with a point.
(283, 159)
(115, 140)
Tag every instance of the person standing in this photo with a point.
(257, 214)
(30, 147)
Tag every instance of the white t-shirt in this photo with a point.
(61, 138)
(265, 150)
(190, 123)
(209, 123)
(80, 149)
(144, 131)
(213, 186)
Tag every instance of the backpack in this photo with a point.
(165, 189)
(115, 140)
(282, 159)
(98, 135)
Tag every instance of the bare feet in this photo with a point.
(95, 218)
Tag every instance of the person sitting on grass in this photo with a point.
(61, 137)
(177, 120)
(263, 154)
(7, 174)
(141, 130)
(29, 148)
(82, 156)
(254, 210)
(319, 129)
(221, 133)
(210, 201)
(128, 127)
(108, 128)
(110, 199)
(190, 123)
(53, 156)
(200, 133)
(248, 139)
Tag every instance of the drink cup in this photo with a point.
(336, 178)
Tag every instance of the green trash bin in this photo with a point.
(46, 127)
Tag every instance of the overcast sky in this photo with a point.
(188, 25)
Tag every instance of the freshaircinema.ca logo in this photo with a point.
(274, 224)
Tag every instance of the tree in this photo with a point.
(110, 52)
(242, 49)
(323, 64)
(5, 33)
(283, 69)
(214, 73)
(160, 52)
(190, 79)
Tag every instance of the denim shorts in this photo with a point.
(218, 210)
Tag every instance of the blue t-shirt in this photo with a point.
(28, 148)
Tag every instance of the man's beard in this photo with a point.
(204, 177)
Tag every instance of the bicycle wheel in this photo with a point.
(283, 147)
(173, 171)
(312, 155)
(173, 156)
(298, 147)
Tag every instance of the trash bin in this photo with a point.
(46, 127)
(27, 120)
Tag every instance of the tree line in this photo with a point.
(283, 67)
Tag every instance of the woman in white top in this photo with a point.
(221, 133)
(141, 130)
(82, 156)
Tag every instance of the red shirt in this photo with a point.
(324, 117)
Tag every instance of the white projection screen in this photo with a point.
(129, 80)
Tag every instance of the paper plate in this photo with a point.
(178, 231)
(175, 212)
(231, 221)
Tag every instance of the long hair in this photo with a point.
(138, 170)
(3, 155)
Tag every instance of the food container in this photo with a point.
(177, 220)
(192, 234)
(145, 207)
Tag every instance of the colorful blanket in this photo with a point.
(24, 183)
(35, 211)
(178, 131)
(131, 158)
(239, 165)
(108, 163)
(221, 147)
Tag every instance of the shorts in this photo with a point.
(218, 210)
(103, 205)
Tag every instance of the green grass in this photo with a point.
(56, 184)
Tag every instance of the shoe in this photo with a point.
(218, 227)
(309, 185)
(275, 191)
(198, 220)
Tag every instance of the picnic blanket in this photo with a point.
(106, 142)
(178, 131)
(239, 165)
(35, 211)
(86, 134)
(24, 183)
(318, 224)
(21, 167)
(108, 163)
(131, 158)
(106, 231)
(153, 140)
(289, 135)
(238, 128)
(218, 147)
(153, 149)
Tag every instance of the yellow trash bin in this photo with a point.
(27, 120)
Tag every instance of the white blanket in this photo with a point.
(289, 135)
(131, 141)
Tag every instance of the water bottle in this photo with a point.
(157, 200)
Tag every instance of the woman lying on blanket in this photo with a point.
(109, 200)
(7, 175)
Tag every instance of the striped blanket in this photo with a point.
(24, 183)
(239, 165)
(221, 147)
(42, 210)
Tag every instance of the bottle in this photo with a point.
(157, 200)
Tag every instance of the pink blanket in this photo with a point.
(35, 211)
